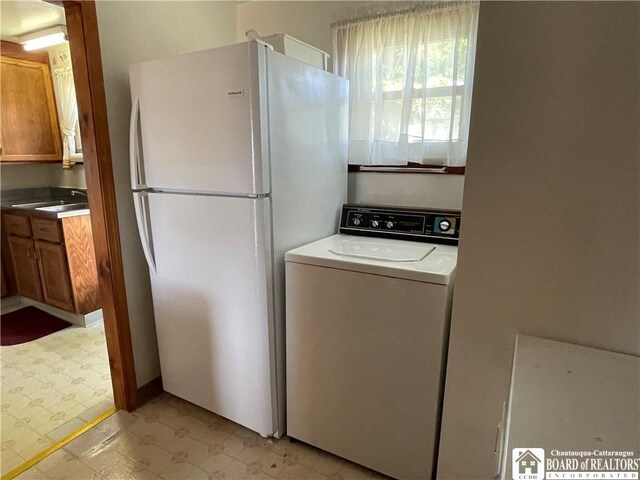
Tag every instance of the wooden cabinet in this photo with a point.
(29, 121)
(54, 275)
(45, 229)
(3, 282)
(54, 260)
(7, 281)
(17, 225)
(25, 267)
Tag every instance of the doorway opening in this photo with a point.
(66, 353)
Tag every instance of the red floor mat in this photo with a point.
(28, 324)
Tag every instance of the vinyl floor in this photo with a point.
(169, 438)
(51, 387)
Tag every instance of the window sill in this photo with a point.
(410, 168)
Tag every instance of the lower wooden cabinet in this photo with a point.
(54, 274)
(59, 270)
(25, 267)
(3, 282)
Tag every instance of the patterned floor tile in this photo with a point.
(50, 387)
(171, 439)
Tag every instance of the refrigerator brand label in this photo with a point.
(235, 93)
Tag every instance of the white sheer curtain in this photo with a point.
(410, 84)
(62, 74)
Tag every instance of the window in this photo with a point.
(62, 74)
(78, 137)
(410, 85)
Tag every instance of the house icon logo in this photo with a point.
(527, 464)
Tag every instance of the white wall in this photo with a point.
(307, 21)
(130, 32)
(550, 240)
(310, 21)
(406, 189)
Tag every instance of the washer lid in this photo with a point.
(373, 249)
(423, 262)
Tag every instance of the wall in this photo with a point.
(407, 189)
(27, 175)
(73, 177)
(41, 175)
(131, 32)
(307, 21)
(311, 22)
(551, 208)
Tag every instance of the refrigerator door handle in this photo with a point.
(134, 147)
(140, 204)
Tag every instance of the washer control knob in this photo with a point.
(389, 224)
(445, 225)
(356, 221)
(375, 223)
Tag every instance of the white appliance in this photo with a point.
(297, 49)
(569, 398)
(238, 154)
(366, 333)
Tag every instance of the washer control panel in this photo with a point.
(426, 225)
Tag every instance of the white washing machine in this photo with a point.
(367, 327)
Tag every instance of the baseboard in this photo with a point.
(11, 304)
(93, 317)
(149, 390)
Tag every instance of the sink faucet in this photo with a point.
(78, 193)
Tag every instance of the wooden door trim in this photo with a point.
(82, 29)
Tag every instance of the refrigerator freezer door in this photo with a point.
(197, 122)
(212, 302)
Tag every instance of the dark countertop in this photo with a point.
(65, 202)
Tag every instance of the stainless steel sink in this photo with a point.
(38, 204)
(63, 208)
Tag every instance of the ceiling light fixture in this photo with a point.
(47, 37)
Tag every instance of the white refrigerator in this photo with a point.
(238, 154)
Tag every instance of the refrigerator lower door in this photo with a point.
(212, 298)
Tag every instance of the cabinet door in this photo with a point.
(30, 130)
(3, 283)
(54, 273)
(81, 259)
(25, 267)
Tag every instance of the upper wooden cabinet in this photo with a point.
(29, 130)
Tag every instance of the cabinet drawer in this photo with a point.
(17, 225)
(44, 229)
